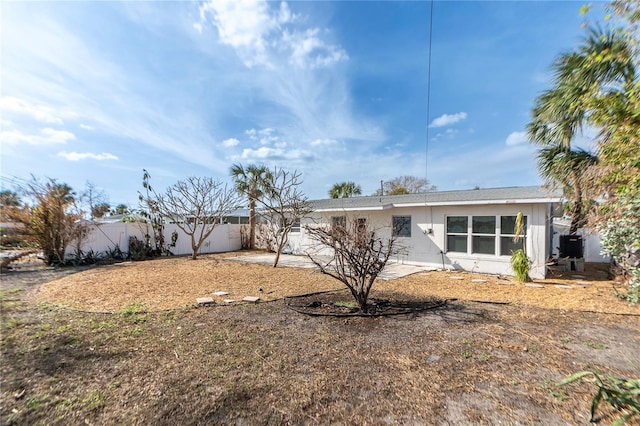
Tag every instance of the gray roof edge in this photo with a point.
(503, 195)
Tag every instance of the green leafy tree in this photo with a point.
(120, 209)
(620, 238)
(100, 210)
(345, 190)
(599, 69)
(596, 84)
(250, 181)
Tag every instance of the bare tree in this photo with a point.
(284, 204)
(96, 200)
(406, 185)
(356, 255)
(196, 206)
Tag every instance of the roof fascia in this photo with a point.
(480, 202)
(355, 209)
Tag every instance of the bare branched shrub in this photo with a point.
(354, 254)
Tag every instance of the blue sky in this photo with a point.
(97, 91)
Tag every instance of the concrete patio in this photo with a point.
(391, 272)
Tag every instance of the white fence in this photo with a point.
(107, 236)
(591, 244)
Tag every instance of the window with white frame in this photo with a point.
(483, 235)
(457, 231)
(295, 227)
(507, 234)
(401, 226)
(492, 235)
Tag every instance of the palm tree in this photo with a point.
(599, 67)
(562, 167)
(250, 181)
(345, 190)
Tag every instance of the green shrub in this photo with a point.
(520, 264)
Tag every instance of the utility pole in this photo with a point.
(381, 187)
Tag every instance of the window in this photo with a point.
(338, 222)
(295, 227)
(508, 232)
(362, 224)
(483, 234)
(457, 228)
(402, 226)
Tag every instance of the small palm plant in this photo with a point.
(519, 260)
(520, 264)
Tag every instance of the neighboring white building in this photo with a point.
(465, 230)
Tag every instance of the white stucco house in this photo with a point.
(465, 230)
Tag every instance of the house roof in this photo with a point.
(512, 195)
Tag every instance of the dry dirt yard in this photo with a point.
(124, 344)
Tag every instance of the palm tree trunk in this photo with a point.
(252, 221)
(576, 211)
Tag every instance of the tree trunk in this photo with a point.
(252, 221)
(361, 300)
(576, 211)
(194, 248)
(281, 244)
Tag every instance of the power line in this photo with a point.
(426, 164)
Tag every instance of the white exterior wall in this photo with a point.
(424, 246)
(106, 236)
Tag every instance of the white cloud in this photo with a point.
(324, 142)
(265, 153)
(230, 142)
(309, 51)
(517, 138)
(264, 136)
(57, 136)
(39, 112)
(77, 156)
(448, 119)
(86, 127)
(46, 137)
(258, 33)
(243, 25)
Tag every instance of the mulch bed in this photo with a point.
(176, 282)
